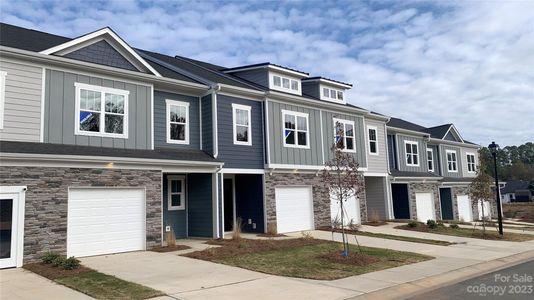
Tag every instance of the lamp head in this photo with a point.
(493, 147)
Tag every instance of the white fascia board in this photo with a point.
(62, 63)
(453, 143)
(274, 95)
(269, 67)
(98, 33)
(330, 82)
(242, 171)
(240, 92)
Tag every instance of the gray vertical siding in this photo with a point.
(102, 53)
(207, 124)
(258, 76)
(160, 120)
(60, 110)
(293, 156)
(22, 101)
(443, 154)
(464, 161)
(199, 200)
(359, 135)
(401, 148)
(377, 163)
(437, 163)
(375, 196)
(239, 156)
(392, 153)
(311, 88)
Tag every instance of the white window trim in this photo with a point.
(369, 139)
(169, 194)
(467, 154)
(248, 109)
(344, 122)
(329, 97)
(431, 159)
(170, 103)
(3, 76)
(406, 154)
(79, 86)
(447, 159)
(281, 87)
(296, 114)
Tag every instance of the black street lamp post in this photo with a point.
(493, 148)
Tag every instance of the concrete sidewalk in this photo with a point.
(185, 278)
(19, 284)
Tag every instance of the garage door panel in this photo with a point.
(294, 208)
(105, 220)
(425, 207)
(465, 211)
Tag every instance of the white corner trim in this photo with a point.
(248, 109)
(266, 133)
(97, 34)
(168, 104)
(214, 125)
(152, 117)
(43, 91)
(3, 76)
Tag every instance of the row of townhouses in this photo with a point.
(106, 148)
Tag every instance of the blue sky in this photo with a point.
(469, 63)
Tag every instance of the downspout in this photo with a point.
(214, 90)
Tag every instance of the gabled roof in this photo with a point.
(267, 65)
(441, 131)
(403, 124)
(514, 185)
(28, 39)
(95, 36)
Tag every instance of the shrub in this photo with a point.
(440, 223)
(71, 263)
(58, 261)
(431, 224)
(454, 226)
(49, 257)
(412, 224)
(236, 230)
(307, 235)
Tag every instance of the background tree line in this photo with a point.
(513, 162)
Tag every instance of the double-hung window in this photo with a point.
(296, 132)
(373, 140)
(344, 135)
(471, 167)
(101, 111)
(430, 159)
(285, 83)
(412, 153)
(176, 192)
(242, 124)
(177, 122)
(452, 163)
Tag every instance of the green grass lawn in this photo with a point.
(491, 233)
(302, 258)
(94, 283)
(398, 237)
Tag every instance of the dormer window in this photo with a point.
(285, 84)
(330, 94)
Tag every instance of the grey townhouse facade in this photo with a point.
(106, 148)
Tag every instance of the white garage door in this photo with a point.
(425, 207)
(487, 209)
(294, 209)
(465, 211)
(105, 220)
(351, 207)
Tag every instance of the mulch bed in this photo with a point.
(170, 248)
(272, 235)
(373, 223)
(477, 233)
(246, 246)
(354, 259)
(51, 272)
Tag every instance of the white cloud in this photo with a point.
(468, 63)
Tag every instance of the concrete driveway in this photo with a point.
(19, 284)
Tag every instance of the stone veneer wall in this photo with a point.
(321, 196)
(45, 221)
(423, 187)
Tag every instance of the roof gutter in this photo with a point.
(407, 131)
(440, 141)
(282, 96)
(68, 63)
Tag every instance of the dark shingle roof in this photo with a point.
(264, 64)
(438, 131)
(28, 39)
(57, 149)
(400, 123)
(514, 185)
(320, 77)
(397, 173)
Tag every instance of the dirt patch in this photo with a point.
(353, 258)
(491, 233)
(376, 223)
(229, 248)
(170, 248)
(521, 211)
(271, 235)
(51, 272)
